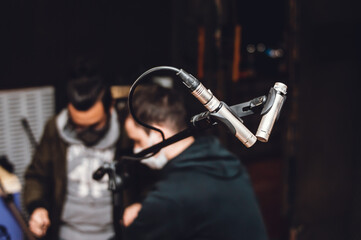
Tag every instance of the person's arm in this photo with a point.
(159, 218)
(37, 183)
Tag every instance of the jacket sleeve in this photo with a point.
(38, 179)
(160, 218)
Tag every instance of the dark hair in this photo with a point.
(154, 104)
(86, 86)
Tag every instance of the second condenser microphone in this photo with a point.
(276, 98)
(220, 109)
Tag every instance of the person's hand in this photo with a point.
(130, 213)
(39, 222)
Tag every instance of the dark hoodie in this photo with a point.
(204, 193)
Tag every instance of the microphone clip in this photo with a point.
(115, 182)
(208, 119)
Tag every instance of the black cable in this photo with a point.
(131, 92)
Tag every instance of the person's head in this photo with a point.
(160, 107)
(89, 105)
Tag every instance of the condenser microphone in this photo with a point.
(218, 109)
(276, 97)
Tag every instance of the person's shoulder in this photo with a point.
(52, 120)
(178, 185)
(50, 127)
(50, 123)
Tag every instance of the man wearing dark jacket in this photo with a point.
(60, 195)
(203, 191)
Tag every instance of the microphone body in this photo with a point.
(220, 109)
(268, 119)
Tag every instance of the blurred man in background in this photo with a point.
(62, 199)
(203, 191)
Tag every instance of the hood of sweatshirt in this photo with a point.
(70, 137)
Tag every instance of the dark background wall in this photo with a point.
(327, 170)
(307, 176)
(40, 40)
